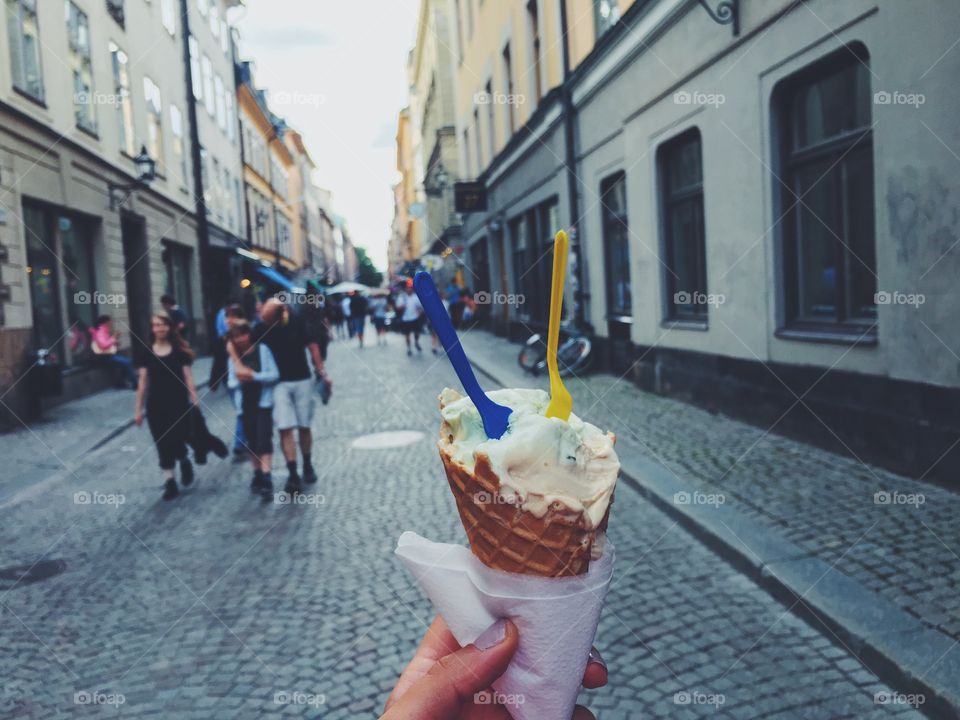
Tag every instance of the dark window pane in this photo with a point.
(42, 273)
(77, 255)
(617, 243)
(832, 105)
(686, 271)
(819, 230)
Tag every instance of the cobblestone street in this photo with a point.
(215, 606)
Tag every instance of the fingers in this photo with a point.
(454, 679)
(596, 673)
(437, 643)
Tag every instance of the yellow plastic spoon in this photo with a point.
(561, 404)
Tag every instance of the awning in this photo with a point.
(273, 276)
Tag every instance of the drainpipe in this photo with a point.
(200, 204)
(570, 160)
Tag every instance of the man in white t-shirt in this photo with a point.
(411, 316)
(345, 311)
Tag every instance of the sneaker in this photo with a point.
(186, 472)
(170, 490)
(266, 489)
(309, 476)
(293, 485)
(255, 484)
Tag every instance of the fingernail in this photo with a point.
(492, 636)
(596, 657)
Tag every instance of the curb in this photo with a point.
(903, 652)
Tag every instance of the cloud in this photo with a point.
(290, 37)
(386, 136)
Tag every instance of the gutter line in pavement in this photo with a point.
(893, 644)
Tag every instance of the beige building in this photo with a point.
(431, 105)
(75, 241)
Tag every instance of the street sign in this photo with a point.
(469, 197)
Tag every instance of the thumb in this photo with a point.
(454, 680)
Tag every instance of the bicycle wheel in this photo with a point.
(533, 357)
(573, 357)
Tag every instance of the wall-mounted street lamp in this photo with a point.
(440, 180)
(146, 174)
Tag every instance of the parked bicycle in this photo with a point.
(573, 353)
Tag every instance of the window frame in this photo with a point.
(618, 222)
(696, 313)
(120, 70)
(81, 62)
(837, 151)
(20, 84)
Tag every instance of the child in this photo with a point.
(252, 390)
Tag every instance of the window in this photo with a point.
(203, 6)
(124, 104)
(606, 13)
(221, 103)
(23, 35)
(616, 241)
(151, 94)
(466, 152)
(215, 19)
(476, 137)
(225, 38)
(205, 177)
(533, 19)
(60, 254)
(216, 192)
(681, 182)
(195, 77)
(457, 20)
(177, 263)
(115, 8)
(508, 87)
(491, 130)
(531, 238)
(78, 34)
(518, 246)
(826, 193)
(231, 117)
(208, 97)
(168, 15)
(179, 148)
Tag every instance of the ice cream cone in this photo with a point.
(505, 537)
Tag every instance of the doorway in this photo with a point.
(136, 273)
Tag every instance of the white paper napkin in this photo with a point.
(557, 619)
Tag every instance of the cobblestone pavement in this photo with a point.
(896, 536)
(215, 606)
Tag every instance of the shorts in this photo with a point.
(293, 404)
(411, 326)
(357, 324)
(258, 429)
(379, 322)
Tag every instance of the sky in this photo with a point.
(336, 71)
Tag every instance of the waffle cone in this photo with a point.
(503, 536)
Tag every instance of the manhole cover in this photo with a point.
(385, 440)
(26, 574)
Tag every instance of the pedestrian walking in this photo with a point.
(345, 312)
(232, 314)
(378, 313)
(286, 336)
(166, 390)
(358, 314)
(176, 313)
(252, 376)
(411, 316)
(105, 345)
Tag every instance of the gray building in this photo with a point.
(768, 217)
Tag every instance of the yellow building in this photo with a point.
(267, 166)
(407, 240)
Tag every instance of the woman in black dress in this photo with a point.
(166, 384)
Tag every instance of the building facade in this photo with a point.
(407, 240)
(84, 87)
(763, 209)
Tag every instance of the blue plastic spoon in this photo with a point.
(494, 416)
